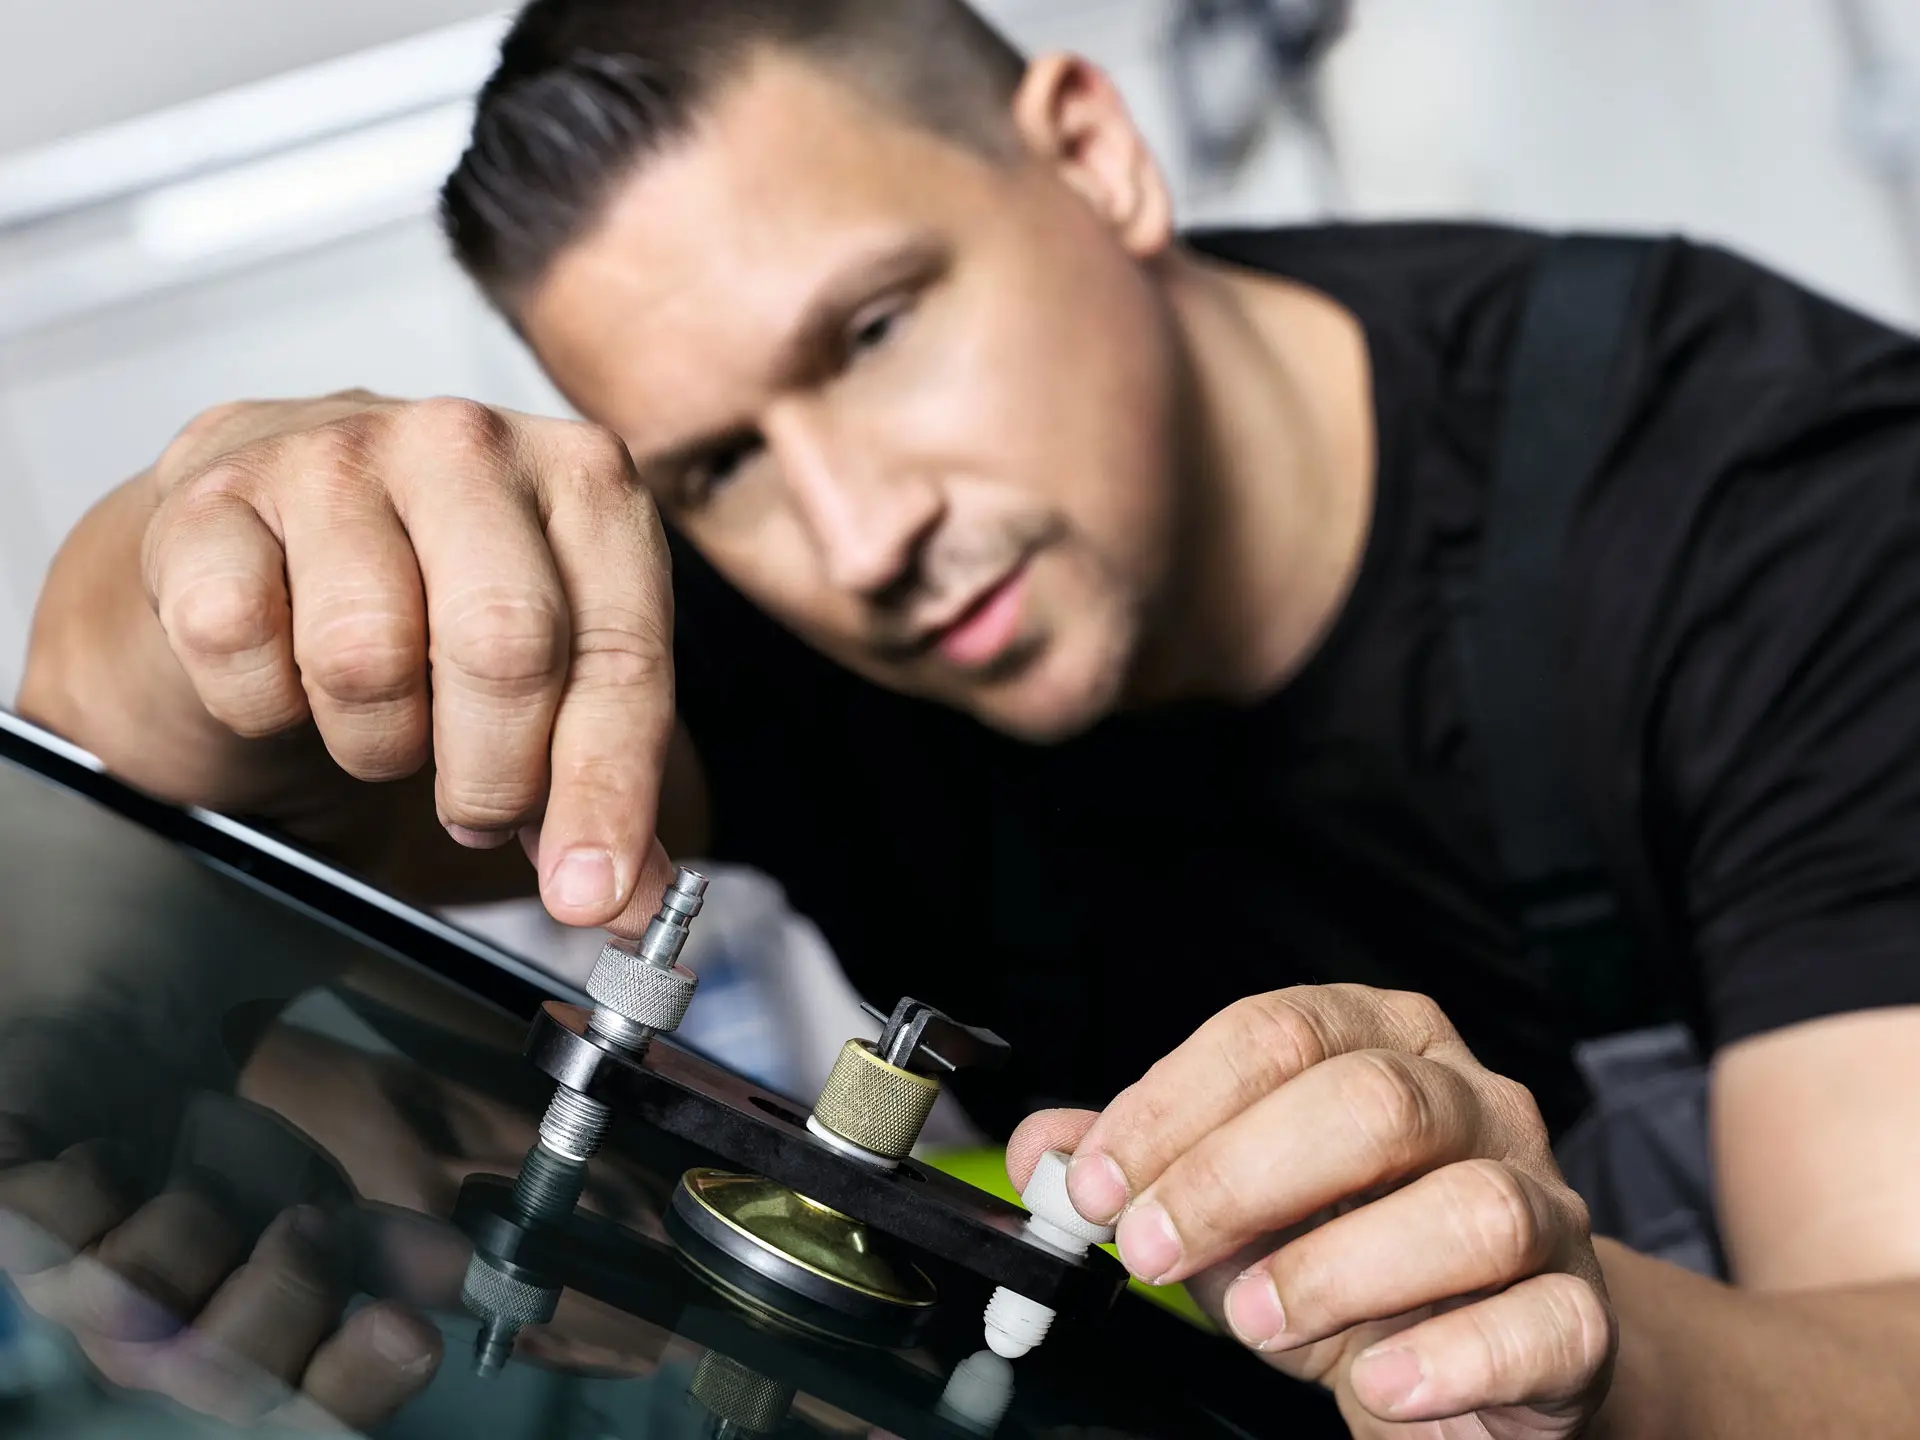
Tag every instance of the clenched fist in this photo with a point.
(425, 583)
(1358, 1199)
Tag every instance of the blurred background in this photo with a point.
(203, 200)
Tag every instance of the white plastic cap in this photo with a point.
(979, 1392)
(1015, 1324)
(1046, 1197)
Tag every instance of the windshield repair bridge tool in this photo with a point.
(821, 1193)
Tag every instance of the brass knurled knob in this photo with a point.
(873, 1104)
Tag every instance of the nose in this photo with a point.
(869, 516)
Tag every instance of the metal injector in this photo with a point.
(879, 1093)
(870, 1111)
(1014, 1323)
(638, 991)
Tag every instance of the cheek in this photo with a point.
(775, 566)
(1088, 370)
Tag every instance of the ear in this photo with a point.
(1072, 119)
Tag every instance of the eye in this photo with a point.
(875, 328)
(723, 465)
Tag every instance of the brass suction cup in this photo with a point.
(807, 1264)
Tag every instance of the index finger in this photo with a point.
(599, 861)
(1244, 1053)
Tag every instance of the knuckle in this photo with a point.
(1272, 1029)
(341, 450)
(1496, 1217)
(1389, 1106)
(1583, 1324)
(610, 656)
(461, 425)
(365, 661)
(504, 644)
(198, 436)
(1515, 1102)
(234, 475)
(1421, 1013)
(1511, 1121)
(599, 455)
(492, 802)
(220, 618)
(1579, 1217)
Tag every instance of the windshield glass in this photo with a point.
(247, 1163)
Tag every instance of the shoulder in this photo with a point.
(1745, 606)
(1452, 289)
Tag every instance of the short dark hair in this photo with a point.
(585, 89)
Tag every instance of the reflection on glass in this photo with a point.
(251, 1166)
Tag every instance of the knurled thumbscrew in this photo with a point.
(638, 991)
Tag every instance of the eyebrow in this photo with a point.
(817, 333)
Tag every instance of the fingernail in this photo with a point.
(1097, 1187)
(1254, 1310)
(313, 1225)
(584, 880)
(1149, 1245)
(479, 839)
(400, 1342)
(1392, 1376)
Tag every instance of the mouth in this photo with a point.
(986, 626)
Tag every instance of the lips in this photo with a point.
(987, 626)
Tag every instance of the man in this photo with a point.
(894, 330)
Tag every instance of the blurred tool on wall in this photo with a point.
(1241, 66)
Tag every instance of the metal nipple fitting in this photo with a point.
(638, 991)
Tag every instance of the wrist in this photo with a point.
(1658, 1308)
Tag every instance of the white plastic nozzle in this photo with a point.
(978, 1393)
(1015, 1324)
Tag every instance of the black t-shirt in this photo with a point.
(1742, 606)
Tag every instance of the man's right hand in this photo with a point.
(432, 583)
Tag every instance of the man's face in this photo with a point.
(916, 403)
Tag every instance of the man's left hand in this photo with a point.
(1356, 1197)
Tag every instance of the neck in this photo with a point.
(1278, 484)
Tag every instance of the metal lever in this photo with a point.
(916, 1031)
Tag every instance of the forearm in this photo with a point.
(1700, 1360)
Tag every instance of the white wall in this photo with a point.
(1722, 118)
(70, 65)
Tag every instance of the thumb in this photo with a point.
(656, 874)
(1040, 1132)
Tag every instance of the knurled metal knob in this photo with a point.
(641, 993)
(489, 1293)
(744, 1397)
(876, 1106)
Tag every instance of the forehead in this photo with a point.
(717, 243)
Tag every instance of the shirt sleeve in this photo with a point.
(1787, 744)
